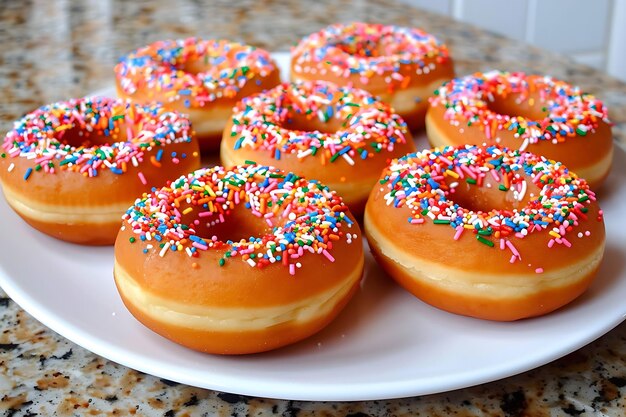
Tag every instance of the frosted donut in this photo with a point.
(71, 169)
(238, 261)
(527, 112)
(341, 136)
(401, 65)
(200, 78)
(486, 232)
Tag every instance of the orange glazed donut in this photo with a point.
(343, 137)
(200, 78)
(71, 169)
(402, 66)
(526, 112)
(238, 261)
(486, 232)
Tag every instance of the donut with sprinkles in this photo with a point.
(341, 136)
(200, 78)
(533, 113)
(228, 261)
(401, 65)
(71, 169)
(486, 232)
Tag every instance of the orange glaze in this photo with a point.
(467, 276)
(283, 126)
(246, 305)
(401, 66)
(463, 113)
(86, 207)
(203, 79)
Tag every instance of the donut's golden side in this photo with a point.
(469, 278)
(589, 156)
(408, 97)
(208, 120)
(87, 210)
(235, 308)
(352, 182)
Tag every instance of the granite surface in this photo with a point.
(52, 50)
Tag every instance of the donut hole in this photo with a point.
(492, 195)
(239, 223)
(372, 47)
(78, 137)
(299, 122)
(515, 105)
(196, 66)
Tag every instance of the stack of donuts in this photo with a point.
(498, 221)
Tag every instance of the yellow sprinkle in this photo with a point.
(452, 173)
(554, 234)
(188, 210)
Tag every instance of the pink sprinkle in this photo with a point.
(205, 213)
(175, 160)
(513, 249)
(142, 178)
(328, 255)
(539, 270)
(417, 221)
(269, 222)
(200, 246)
(551, 243)
(459, 232)
(587, 233)
(502, 246)
(566, 242)
(292, 269)
(513, 258)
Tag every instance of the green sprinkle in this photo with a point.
(583, 199)
(441, 221)
(501, 187)
(222, 261)
(132, 239)
(581, 132)
(470, 181)
(485, 241)
(249, 162)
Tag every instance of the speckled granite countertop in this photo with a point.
(52, 50)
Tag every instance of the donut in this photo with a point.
(342, 136)
(71, 169)
(200, 78)
(531, 113)
(236, 261)
(486, 232)
(401, 65)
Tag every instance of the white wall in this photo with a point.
(591, 32)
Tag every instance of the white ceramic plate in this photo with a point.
(386, 344)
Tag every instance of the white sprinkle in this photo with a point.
(164, 249)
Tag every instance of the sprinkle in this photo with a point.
(157, 67)
(164, 249)
(28, 172)
(466, 100)
(403, 47)
(418, 183)
(39, 135)
(267, 192)
(262, 122)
